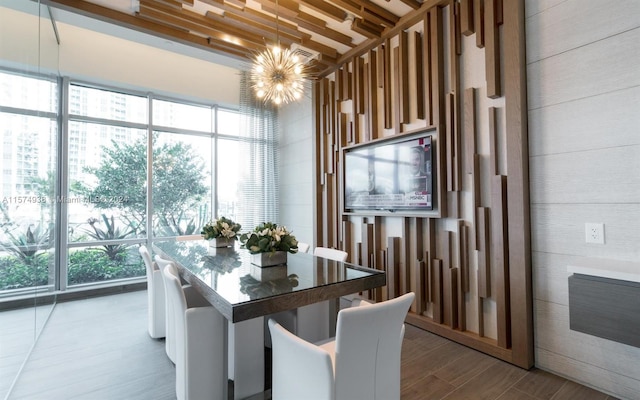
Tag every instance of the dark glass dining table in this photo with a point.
(244, 293)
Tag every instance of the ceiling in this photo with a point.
(328, 32)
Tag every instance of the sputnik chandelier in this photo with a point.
(278, 74)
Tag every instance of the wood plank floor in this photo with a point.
(99, 349)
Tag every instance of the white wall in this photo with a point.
(584, 148)
(296, 169)
(103, 58)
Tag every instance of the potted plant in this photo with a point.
(222, 232)
(269, 244)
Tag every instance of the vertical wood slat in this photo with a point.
(464, 256)
(448, 139)
(333, 107)
(388, 98)
(446, 253)
(419, 68)
(408, 281)
(517, 165)
(493, 145)
(454, 96)
(484, 252)
(500, 259)
(367, 244)
(480, 315)
(397, 119)
(456, 32)
(346, 82)
(381, 293)
(366, 101)
(430, 253)
(466, 17)
(403, 77)
(346, 238)
(343, 127)
(420, 286)
(438, 99)
(462, 275)
(453, 204)
(428, 280)
(428, 77)
(499, 12)
(492, 51)
(393, 266)
(436, 290)
(477, 198)
(450, 284)
(372, 112)
(339, 83)
(470, 127)
(358, 87)
(381, 66)
(478, 18)
(318, 157)
(355, 84)
(420, 262)
(332, 214)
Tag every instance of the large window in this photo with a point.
(126, 176)
(28, 142)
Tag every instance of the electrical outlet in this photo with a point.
(594, 233)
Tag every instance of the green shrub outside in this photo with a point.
(85, 266)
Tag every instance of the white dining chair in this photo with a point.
(332, 254)
(156, 314)
(199, 336)
(303, 247)
(170, 325)
(361, 362)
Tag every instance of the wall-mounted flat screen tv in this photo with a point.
(393, 175)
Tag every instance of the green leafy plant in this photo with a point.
(113, 251)
(26, 245)
(222, 227)
(268, 238)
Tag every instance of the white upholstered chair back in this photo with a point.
(170, 325)
(368, 348)
(199, 338)
(332, 254)
(362, 362)
(156, 313)
(303, 247)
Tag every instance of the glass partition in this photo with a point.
(29, 133)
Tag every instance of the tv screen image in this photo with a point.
(390, 176)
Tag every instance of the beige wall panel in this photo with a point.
(535, 6)
(559, 229)
(605, 120)
(550, 277)
(585, 71)
(598, 176)
(590, 21)
(592, 375)
(586, 349)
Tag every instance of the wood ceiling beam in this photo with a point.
(405, 22)
(327, 32)
(412, 3)
(326, 9)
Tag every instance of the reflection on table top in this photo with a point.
(241, 290)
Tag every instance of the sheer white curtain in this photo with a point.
(259, 158)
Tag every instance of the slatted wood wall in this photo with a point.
(469, 261)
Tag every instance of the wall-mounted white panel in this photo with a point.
(576, 23)
(559, 229)
(585, 71)
(607, 120)
(598, 176)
